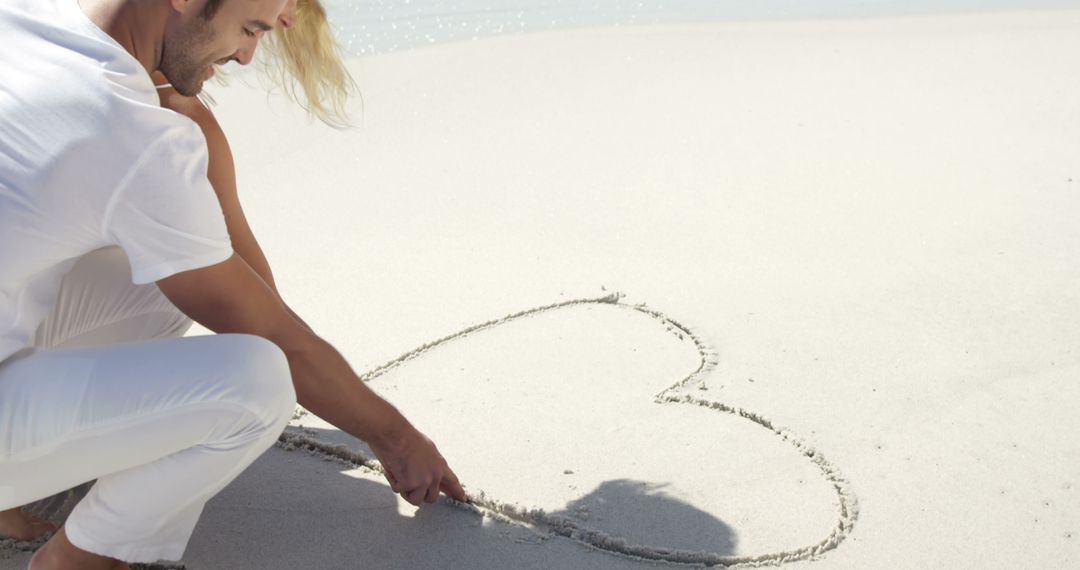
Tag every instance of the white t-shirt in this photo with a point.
(88, 159)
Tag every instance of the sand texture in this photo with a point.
(784, 293)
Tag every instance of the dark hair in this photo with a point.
(210, 9)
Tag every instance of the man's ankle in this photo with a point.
(60, 554)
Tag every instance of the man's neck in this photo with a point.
(137, 25)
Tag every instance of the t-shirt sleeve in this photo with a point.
(164, 214)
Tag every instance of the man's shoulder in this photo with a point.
(54, 41)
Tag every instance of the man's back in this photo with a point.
(88, 159)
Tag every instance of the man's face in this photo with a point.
(195, 40)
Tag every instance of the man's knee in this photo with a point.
(260, 379)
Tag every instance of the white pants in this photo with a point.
(162, 423)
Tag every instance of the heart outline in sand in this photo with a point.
(677, 393)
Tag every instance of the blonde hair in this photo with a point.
(306, 57)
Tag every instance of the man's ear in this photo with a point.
(182, 6)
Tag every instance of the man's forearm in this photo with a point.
(327, 386)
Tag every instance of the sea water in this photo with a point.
(368, 27)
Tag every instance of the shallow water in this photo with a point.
(380, 26)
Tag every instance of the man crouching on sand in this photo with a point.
(111, 233)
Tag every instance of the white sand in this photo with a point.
(870, 225)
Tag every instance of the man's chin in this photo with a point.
(188, 90)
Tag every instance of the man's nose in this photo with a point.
(244, 55)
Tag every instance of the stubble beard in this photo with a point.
(181, 62)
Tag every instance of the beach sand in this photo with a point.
(806, 294)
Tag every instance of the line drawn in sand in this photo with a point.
(677, 393)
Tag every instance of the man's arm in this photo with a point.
(221, 171)
(230, 297)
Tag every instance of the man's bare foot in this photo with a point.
(20, 525)
(60, 554)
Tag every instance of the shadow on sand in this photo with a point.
(296, 509)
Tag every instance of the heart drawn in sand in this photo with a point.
(616, 449)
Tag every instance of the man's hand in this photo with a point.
(415, 468)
